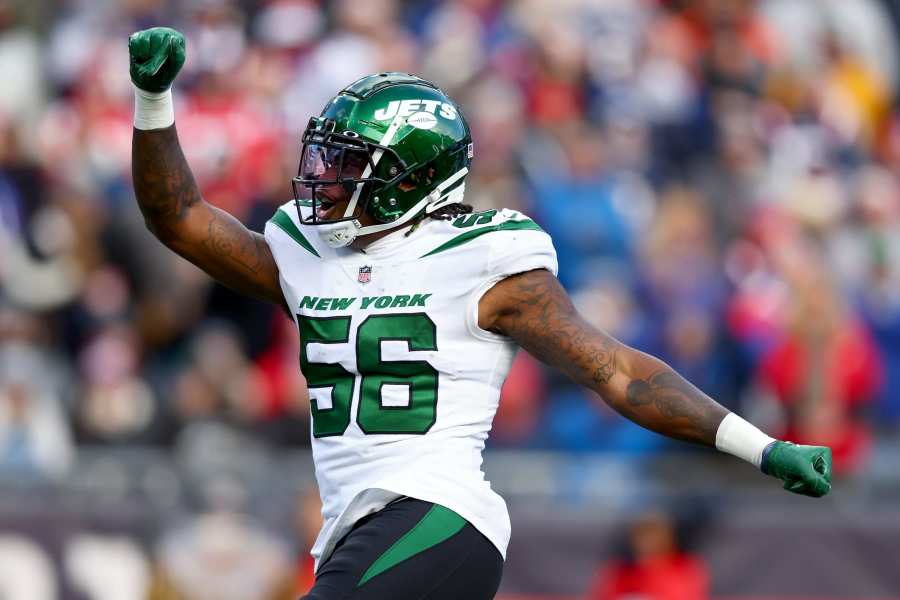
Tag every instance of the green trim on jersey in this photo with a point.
(283, 221)
(471, 235)
(439, 524)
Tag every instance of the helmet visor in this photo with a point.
(328, 178)
(327, 164)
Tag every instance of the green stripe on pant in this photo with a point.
(438, 524)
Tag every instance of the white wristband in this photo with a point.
(153, 110)
(742, 439)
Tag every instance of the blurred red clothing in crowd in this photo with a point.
(232, 142)
(699, 23)
(285, 387)
(821, 383)
(305, 574)
(659, 570)
(675, 577)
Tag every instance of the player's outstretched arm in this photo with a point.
(165, 188)
(534, 310)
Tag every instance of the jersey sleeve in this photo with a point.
(290, 247)
(518, 248)
(275, 239)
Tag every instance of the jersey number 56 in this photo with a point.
(421, 379)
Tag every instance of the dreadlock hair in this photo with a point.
(451, 211)
(445, 213)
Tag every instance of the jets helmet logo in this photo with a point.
(416, 110)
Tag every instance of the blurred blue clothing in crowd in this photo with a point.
(579, 215)
(884, 323)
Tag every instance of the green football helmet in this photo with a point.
(394, 143)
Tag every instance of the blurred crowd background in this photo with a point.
(720, 179)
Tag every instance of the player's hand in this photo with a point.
(803, 469)
(156, 55)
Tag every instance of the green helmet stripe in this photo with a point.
(376, 156)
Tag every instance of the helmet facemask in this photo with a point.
(338, 167)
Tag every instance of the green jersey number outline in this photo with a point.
(372, 416)
(476, 218)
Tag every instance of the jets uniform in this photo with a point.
(403, 382)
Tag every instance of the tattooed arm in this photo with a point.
(533, 309)
(207, 236)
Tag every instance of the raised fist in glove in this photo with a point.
(803, 469)
(156, 56)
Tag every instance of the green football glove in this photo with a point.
(803, 469)
(156, 56)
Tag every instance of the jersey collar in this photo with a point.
(390, 243)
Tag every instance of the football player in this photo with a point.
(410, 308)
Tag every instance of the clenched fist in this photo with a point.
(803, 469)
(156, 56)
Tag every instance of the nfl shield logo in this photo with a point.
(365, 274)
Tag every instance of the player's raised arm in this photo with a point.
(534, 310)
(165, 188)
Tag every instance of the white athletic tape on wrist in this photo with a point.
(153, 110)
(742, 439)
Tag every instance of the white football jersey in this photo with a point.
(403, 383)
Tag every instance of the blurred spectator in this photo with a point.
(116, 405)
(221, 554)
(826, 366)
(219, 383)
(865, 254)
(307, 523)
(573, 196)
(234, 139)
(520, 402)
(36, 237)
(286, 413)
(35, 442)
(655, 568)
(684, 295)
(366, 39)
(854, 97)
(22, 97)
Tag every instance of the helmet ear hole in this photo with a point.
(420, 178)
